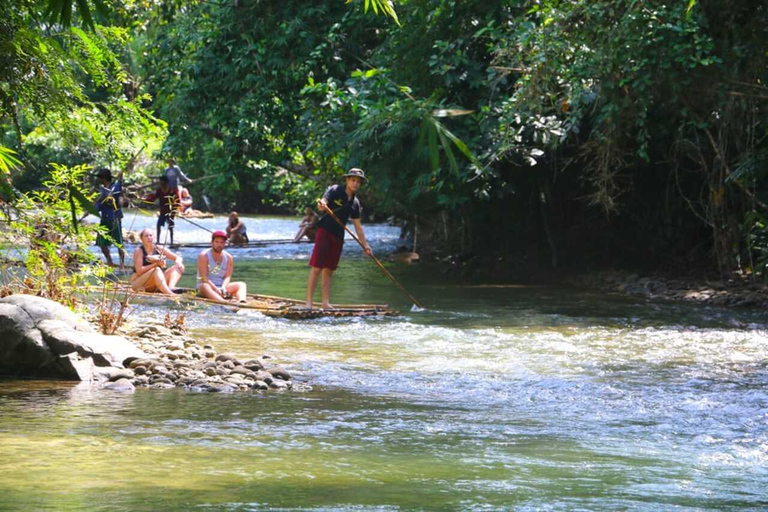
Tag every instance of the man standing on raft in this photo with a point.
(329, 240)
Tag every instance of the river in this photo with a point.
(496, 397)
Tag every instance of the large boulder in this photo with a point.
(40, 338)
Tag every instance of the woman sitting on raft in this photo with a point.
(150, 274)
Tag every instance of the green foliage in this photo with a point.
(58, 264)
(62, 93)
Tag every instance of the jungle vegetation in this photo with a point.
(560, 133)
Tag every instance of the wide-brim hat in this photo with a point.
(219, 233)
(357, 173)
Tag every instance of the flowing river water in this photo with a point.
(496, 397)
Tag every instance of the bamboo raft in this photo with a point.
(272, 306)
(253, 243)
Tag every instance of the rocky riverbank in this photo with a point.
(41, 339)
(735, 291)
(176, 360)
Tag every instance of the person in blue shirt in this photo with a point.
(111, 214)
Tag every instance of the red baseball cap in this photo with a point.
(220, 233)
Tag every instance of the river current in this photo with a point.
(496, 397)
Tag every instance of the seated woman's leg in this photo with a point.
(173, 275)
(143, 283)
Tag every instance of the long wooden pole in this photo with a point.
(386, 272)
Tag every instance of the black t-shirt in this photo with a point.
(342, 206)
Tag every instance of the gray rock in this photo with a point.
(219, 388)
(264, 376)
(278, 384)
(40, 338)
(226, 357)
(115, 374)
(140, 370)
(279, 373)
(120, 385)
(242, 370)
(261, 385)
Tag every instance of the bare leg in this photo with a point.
(326, 284)
(151, 281)
(173, 275)
(160, 282)
(121, 252)
(105, 251)
(209, 292)
(237, 290)
(300, 234)
(140, 283)
(314, 273)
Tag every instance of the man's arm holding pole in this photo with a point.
(361, 236)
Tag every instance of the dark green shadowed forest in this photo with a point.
(549, 134)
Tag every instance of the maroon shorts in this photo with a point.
(327, 250)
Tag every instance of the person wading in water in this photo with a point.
(214, 270)
(329, 240)
(111, 214)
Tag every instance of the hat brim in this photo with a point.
(356, 176)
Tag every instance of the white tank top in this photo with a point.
(216, 271)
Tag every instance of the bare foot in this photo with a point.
(328, 306)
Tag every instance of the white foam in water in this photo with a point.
(416, 309)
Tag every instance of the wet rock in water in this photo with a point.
(279, 373)
(260, 385)
(264, 376)
(242, 370)
(219, 388)
(162, 385)
(278, 384)
(120, 385)
(253, 365)
(116, 375)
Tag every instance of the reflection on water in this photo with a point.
(493, 398)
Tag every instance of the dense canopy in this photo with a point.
(551, 132)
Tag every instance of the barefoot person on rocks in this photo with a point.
(149, 265)
(214, 271)
(329, 239)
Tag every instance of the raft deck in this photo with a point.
(278, 307)
(252, 243)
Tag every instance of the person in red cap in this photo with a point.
(214, 271)
(329, 239)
